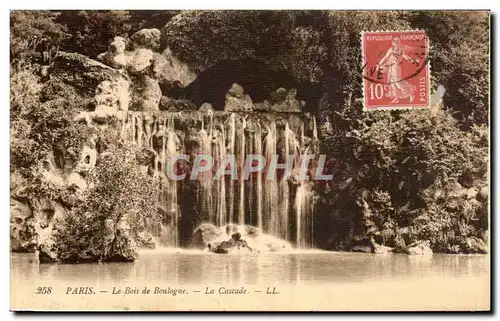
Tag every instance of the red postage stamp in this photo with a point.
(396, 72)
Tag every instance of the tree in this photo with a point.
(121, 200)
(411, 175)
(460, 59)
(93, 30)
(35, 36)
(39, 128)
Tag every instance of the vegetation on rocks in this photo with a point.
(401, 178)
(118, 206)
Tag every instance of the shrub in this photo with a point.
(116, 207)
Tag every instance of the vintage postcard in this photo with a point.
(228, 160)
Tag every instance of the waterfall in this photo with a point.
(205, 179)
(220, 153)
(258, 151)
(282, 207)
(270, 186)
(242, 156)
(232, 147)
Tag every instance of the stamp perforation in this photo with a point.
(426, 66)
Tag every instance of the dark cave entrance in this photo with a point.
(258, 79)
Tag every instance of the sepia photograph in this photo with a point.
(250, 160)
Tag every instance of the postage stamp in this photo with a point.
(396, 70)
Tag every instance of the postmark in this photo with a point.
(396, 70)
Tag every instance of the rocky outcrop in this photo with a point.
(206, 108)
(139, 60)
(47, 252)
(22, 231)
(220, 240)
(123, 248)
(146, 38)
(169, 69)
(34, 213)
(236, 100)
(82, 73)
(283, 100)
(206, 234)
(146, 94)
(476, 245)
(115, 245)
(111, 96)
(380, 249)
(115, 57)
(235, 243)
(420, 248)
(263, 106)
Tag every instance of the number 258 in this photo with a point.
(44, 290)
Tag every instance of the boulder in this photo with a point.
(146, 94)
(139, 60)
(47, 252)
(235, 243)
(205, 234)
(115, 57)
(206, 108)
(145, 240)
(123, 247)
(216, 239)
(22, 232)
(263, 106)
(362, 249)
(77, 182)
(419, 248)
(472, 193)
(168, 69)
(476, 245)
(379, 249)
(112, 96)
(146, 38)
(236, 91)
(83, 74)
(285, 101)
(236, 100)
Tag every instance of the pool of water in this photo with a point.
(306, 280)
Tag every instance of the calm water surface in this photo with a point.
(190, 267)
(308, 270)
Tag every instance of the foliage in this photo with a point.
(115, 208)
(400, 177)
(412, 175)
(40, 128)
(228, 35)
(35, 36)
(460, 59)
(93, 30)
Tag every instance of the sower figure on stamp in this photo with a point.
(398, 88)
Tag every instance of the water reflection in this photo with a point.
(288, 268)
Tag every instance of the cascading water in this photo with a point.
(282, 207)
